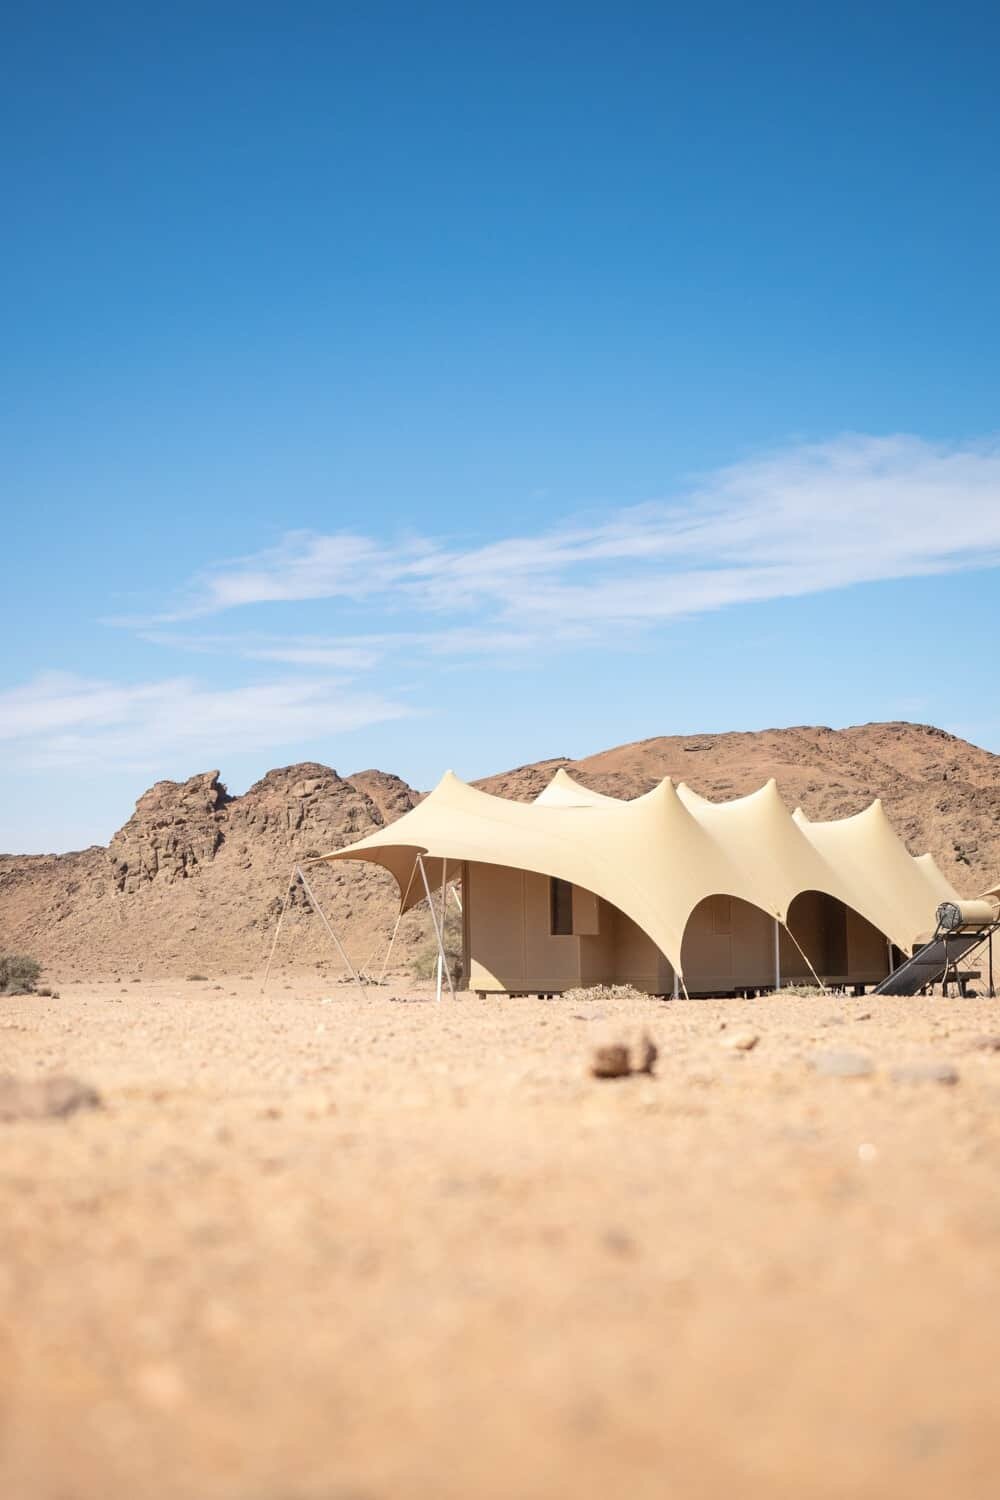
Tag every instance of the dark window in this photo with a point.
(560, 907)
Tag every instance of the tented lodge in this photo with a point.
(666, 892)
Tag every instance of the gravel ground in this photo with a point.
(319, 1247)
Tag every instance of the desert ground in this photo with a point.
(323, 1246)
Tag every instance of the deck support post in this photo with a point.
(993, 993)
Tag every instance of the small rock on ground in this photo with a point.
(41, 1098)
(618, 1059)
(842, 1064)
(925, 1072)
(610, 1062)
(739, 1041)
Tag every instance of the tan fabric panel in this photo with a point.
(497, 897)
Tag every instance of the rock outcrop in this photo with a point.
(175, 829)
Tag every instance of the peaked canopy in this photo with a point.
(657, 856)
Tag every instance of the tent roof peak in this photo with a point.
(563, 790)
(762, 795)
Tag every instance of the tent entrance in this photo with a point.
(842, 947)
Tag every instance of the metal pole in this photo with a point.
(805, 955)
(402, 906)
(388, 951)
(277, 930)
(437, 930)
(777, 954)
(444, 903)
(993, 993)
(322, 916)
(677, 985)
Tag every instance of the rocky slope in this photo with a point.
(194, 880)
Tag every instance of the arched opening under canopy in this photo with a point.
(841, 945)
(728, 947)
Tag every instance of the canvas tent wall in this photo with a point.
(728, 943)
(656, 881)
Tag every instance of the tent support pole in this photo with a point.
(444, 903)
(777, 955)
(677, 985)
(437, 930)
(805, 955)
(277, 930)
(399, 918)
(364, 968)
(388, 951)
(322, 916)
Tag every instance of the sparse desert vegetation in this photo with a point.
(19, 974)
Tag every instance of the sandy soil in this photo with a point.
(315, 1247)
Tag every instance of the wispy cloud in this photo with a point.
(807, 519)
(348, 653)
(803, 520)
(62, 720)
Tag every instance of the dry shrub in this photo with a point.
(18, 973)
(595, 993)
(423, 964)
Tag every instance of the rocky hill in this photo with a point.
(194, 880)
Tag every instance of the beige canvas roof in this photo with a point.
(657, 856)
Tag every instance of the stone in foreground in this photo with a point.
(739, 1041)
(842, 1065)
(925, 1072)
(619, 1059)
(44, 1098)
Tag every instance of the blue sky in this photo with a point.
(460, 385)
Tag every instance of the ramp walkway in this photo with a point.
(962, 927)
